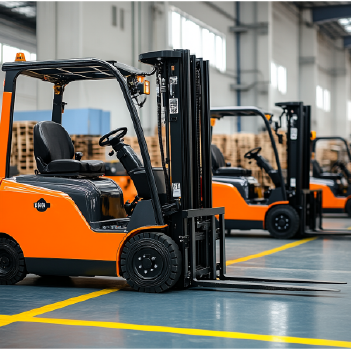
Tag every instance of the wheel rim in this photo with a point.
(148, 263)
(282, 223)
(7, 263)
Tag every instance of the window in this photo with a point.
(114, 16)
(279, 78)
(323, 98)
(8, 53)
(274, 79)
(282, 79)
(121, 13)
(186, 32)
(326, 100)
(319, 96)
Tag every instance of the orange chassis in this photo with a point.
(237, 209)
(330, 202)
(61, 231)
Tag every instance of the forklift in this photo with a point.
(336, 184)
(74, 222)
(291, 208)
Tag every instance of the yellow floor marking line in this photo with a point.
(189, 331)
(53, 306)
(270, 252)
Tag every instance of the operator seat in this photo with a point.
(220, 168)
(54, 151)
(318, 172)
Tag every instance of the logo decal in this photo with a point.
(41, 205)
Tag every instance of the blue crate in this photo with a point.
(75, 121)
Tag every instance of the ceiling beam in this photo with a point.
(328, 13)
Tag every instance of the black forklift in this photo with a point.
(167, 236)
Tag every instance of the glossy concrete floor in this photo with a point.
(105, 313)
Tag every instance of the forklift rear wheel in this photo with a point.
(348, 207)
(151, 262)
(282, 222)
(12, 264)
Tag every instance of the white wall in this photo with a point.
(24, 39)
(84, 29)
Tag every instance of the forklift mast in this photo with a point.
(183, 108)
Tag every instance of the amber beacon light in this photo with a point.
(20, 57)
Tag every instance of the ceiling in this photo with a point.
(332, 28)
(22, 12)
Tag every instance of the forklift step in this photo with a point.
(254, 286)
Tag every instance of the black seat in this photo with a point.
(318, 172)
(221, 168)
(54, 151)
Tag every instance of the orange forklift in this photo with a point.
(289, 209)
(336, 184)
(69, 220)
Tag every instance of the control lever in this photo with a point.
(78, 155)
(129, 207)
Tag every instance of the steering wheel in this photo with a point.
(121, 132)
(253, 153)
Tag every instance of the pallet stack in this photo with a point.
(81, 144)
(22, 147)
(235, 146)
(327, 152)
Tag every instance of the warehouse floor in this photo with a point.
(104, 313)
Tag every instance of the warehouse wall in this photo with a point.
(278, 32)
(25, 39)
(285, 32)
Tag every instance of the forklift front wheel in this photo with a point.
(282, 222)
(12, 264)
(348, 207)
(151, 262)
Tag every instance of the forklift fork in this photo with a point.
(222, 280)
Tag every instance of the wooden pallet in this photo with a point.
(22, 147)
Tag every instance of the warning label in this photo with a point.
(176, 190)
(173, 106)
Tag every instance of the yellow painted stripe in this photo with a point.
(5, 320)
(188, 331)
(62, 304)
(270, 252)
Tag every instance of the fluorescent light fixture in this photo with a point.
(344, 21)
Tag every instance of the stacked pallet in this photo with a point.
(235, 146)
(22, 147)
(95, 151)
(81, 144)
(327, 152)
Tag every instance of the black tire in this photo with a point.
(282, 222)
(348, 207)
(12, 264)
(151, 262)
